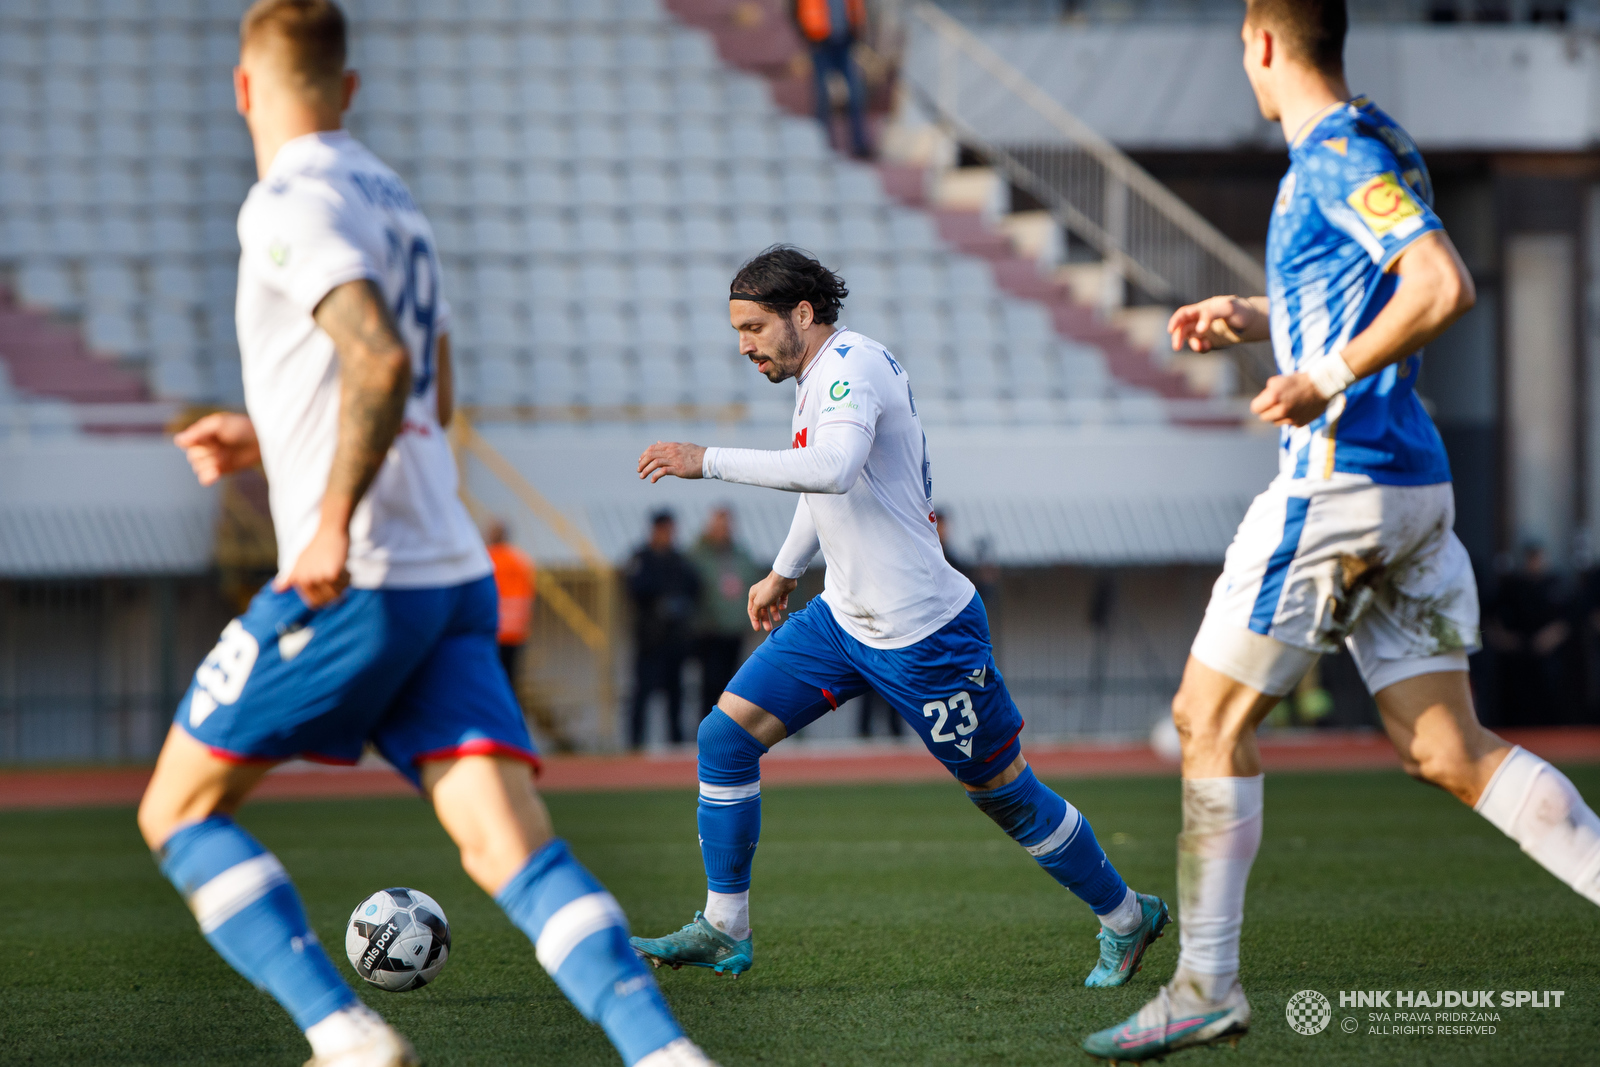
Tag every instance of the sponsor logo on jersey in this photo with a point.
(201, 705)
(279, 252)
(291, 643)
(799, 438)
(838, 390)
(1286, 192)
(1385, 205)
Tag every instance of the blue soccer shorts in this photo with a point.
(946, 685)
(415, 671)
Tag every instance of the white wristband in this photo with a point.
(1330, 375)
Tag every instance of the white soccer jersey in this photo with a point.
(329, 212)
(866, 496)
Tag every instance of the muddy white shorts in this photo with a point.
(1319, 561)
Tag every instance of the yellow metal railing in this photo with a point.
(582, 599)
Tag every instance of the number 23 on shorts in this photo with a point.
(960, 704)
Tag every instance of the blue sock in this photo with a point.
(252, 915)
(1057, 835)
(730, 801)
(581, 938)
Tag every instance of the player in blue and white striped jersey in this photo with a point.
(1352, 543)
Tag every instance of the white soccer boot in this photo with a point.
(680, 1053)
(1174, 1020)
(382, 1047)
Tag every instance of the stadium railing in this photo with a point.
(573, 602)
(1146, 237)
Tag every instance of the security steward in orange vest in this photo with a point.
(831, 27)
(515, 579)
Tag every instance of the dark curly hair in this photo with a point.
(780, 277)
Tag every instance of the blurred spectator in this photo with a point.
(831, 28)
(726, 574)
(516, 579)
(665, 589)
(872, 707)
(1529, 628)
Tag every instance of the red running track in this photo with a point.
(1319, 751)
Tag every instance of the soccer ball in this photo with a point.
(398, 939)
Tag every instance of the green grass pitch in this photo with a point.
(894, 925)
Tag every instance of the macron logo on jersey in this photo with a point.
(799, 439)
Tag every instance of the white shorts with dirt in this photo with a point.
(1320, 561)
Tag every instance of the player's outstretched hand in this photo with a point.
(319, 574)
(1215, 323)
(677, 458)
(219, 444)
(769, 599)
(1288, 400)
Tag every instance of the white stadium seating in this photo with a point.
(593, 171)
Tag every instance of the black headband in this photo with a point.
(751, 296)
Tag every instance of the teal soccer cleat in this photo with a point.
(1161, 1027)
(1121, 955)
(698, 945)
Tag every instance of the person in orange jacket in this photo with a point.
(831, 27)
(515, 578)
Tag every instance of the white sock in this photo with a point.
(1125, 917)
(1539, 808)
(345, 1029)
(729, 912)
(1221, 834)
(680, 1053)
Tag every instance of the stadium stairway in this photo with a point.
(759, 36)
(41, 358)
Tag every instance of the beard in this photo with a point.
(786, 356)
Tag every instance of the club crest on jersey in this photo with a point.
(1386, 206)
(838, 390)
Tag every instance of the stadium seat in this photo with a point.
(172, 330)
(702, 183)
(174, 231)
(750, 137)
(554, 378)
(700, 140)
(176, 282)
(653, 231)
(112, 329)
(909, 231)
(592, 170)
(47, 284)
(753, 183)
(657, 280)
(177, 378)
(642, 52)
(650, 184)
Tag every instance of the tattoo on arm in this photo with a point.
(374, 381)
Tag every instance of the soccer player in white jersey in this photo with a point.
(1352, 542)
(893, 617)
(381, 623)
